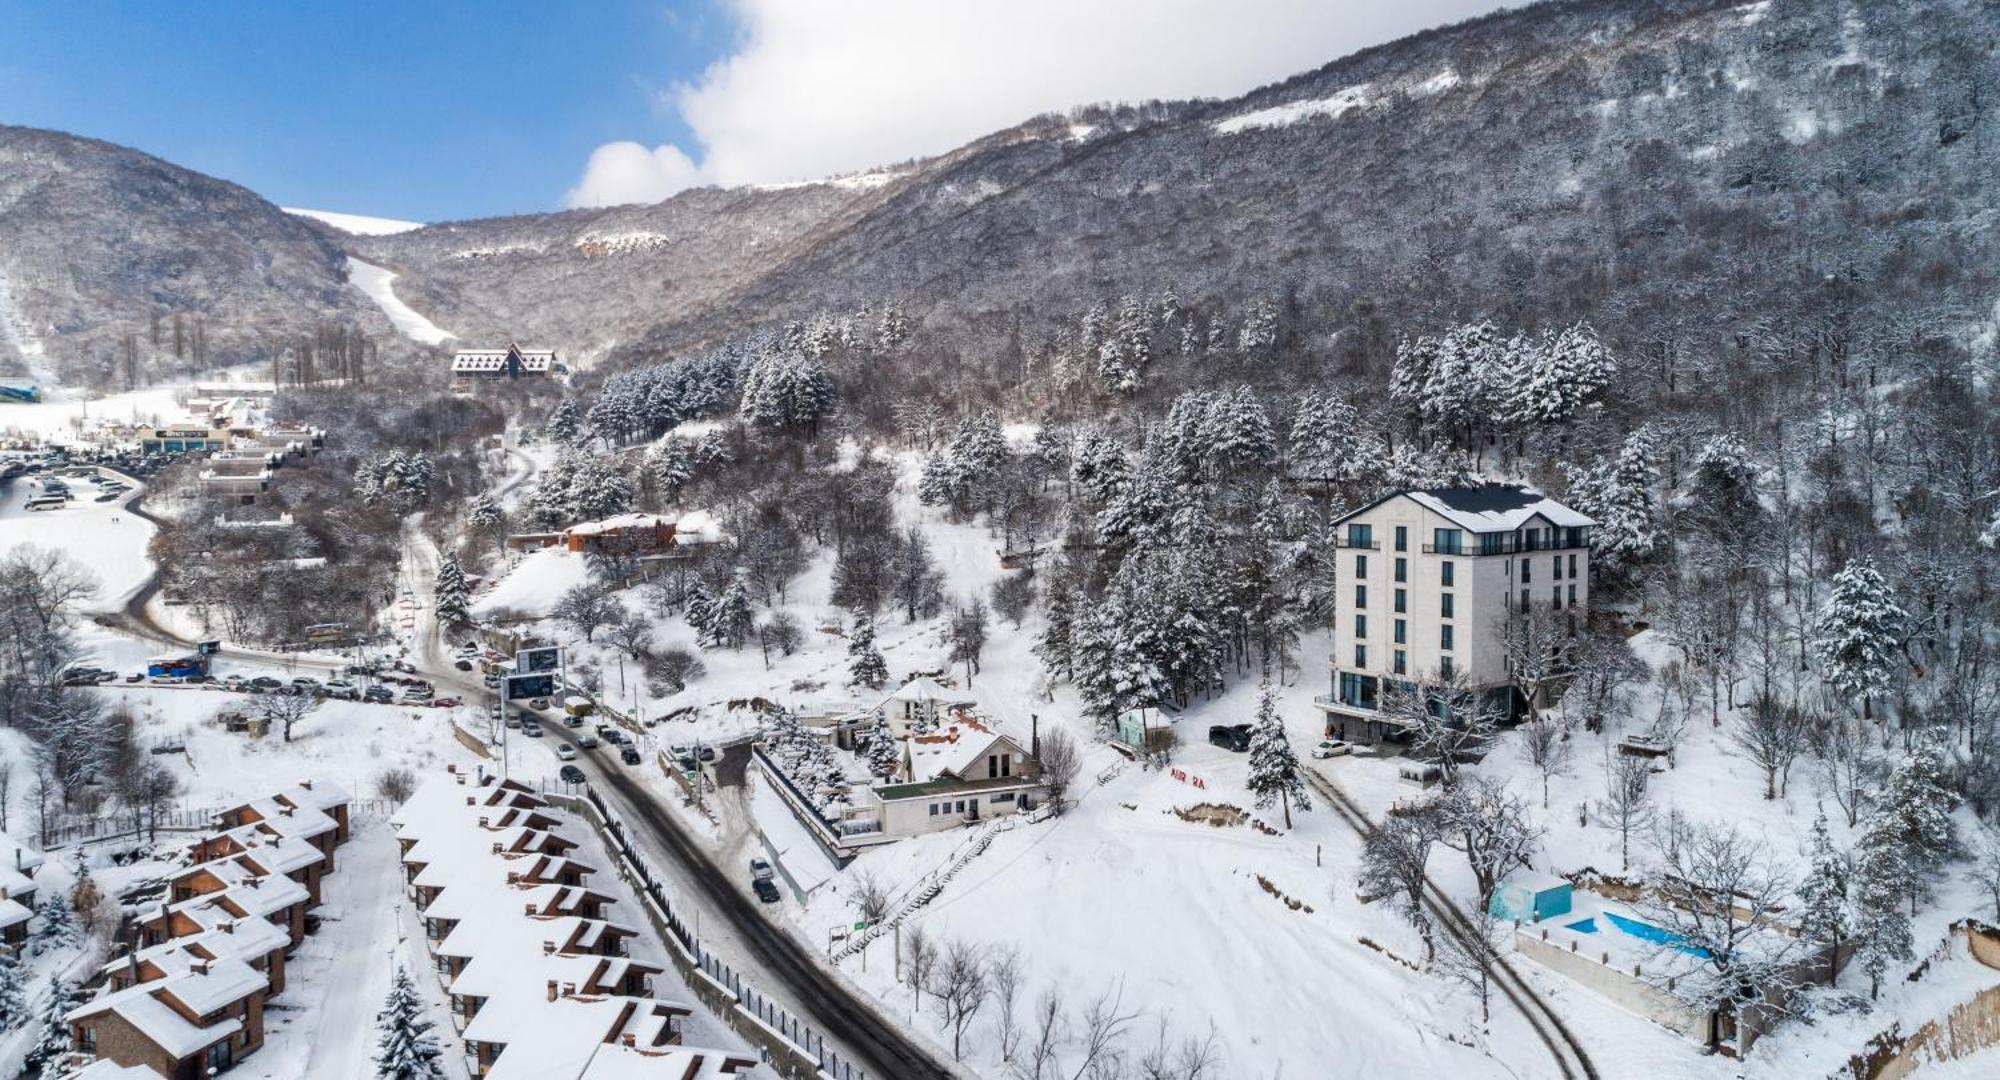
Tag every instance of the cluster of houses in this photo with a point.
(17, 893)
(243, 452)
(187, 998)
(541, 980)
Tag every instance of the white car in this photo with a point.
(1331, 748)
(565, 752)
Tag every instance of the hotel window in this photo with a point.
(1445, 668)
(1444, 605)
(1402, 663)
(1527, 571)
(934, 809)
(1524, 601)
(1572, 566)
(1446, 541)
(1361, 596)
(1402, 601)
(1402, 538)
(1402, 632)
(1557, 570)
(1572, 594)
(1447, 572)
(1361, 566)
(1360, 536)
(1556, 597)
(1360, 625)
(1360, 655)
(1402, 569)
(1444, 637)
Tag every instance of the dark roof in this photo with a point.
(1486, 498)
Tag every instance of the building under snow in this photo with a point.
(512, 362)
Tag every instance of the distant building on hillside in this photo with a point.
(20, 391)
(512, 362)
(1428, 582)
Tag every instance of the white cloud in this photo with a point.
(819, 87)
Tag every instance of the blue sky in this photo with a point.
(438, 109)
(420, 109)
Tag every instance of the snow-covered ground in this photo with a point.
(378, 284)
(358, 224)
(104, 537)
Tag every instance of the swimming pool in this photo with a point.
(1646, 932)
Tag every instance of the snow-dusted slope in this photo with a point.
(358, 224)
(375, 282)
(18, 335)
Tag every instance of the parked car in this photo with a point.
(565, 752)
(306, 684)
(707, 752)
(538, 704)
(265, 682)
(137, 676)
(378, 695)
(233, 682)
(1331, 748)
(447, 703)
(491, 682)
(681, 751)
(766, 890)
(760, 870)
(164, 680)
(106, 496)
(531, 730)
(571, 774)
(341, 688)
(587, 741)
(1230, 737)
(462, 664)
(607, 731)
(513, 721)
(572, 721)
(629, 756)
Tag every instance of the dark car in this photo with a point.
(462, 665)
(378, 695)
(1230, 737)
(766, 890)
(629, 756)
(570, 774)
(265, 682)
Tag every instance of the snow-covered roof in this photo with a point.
(1534, 881)
(955, 750)
(17, 857)
(14, 913)
(1496, 507)
(618, 522)
(231, 939)
(106, 1069)
(923, 688)
(478, 361)
(699, 527)
(144, 1006)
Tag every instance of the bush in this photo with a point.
(670, 670)
(396, 785)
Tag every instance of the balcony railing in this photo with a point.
(1509, 545)
(1366, 545)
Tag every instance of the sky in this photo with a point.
(444, 109)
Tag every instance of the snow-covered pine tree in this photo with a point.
(1619, 494)
(885, 755)
(1882, 879)
(698, 608)
(734, 615)
(56, 927)
(565, 423)
(865, 666)
(51, 1053)
(1857, 633)
(483, 513)
(1126, 350)
(13, 992)
(1823, 893)
(1559, 375)
(1325, 443)
(1921, 798)
(1100, 467)
(1259, 336)
(1240, 436)
(405, 1049)
(452, 593)
(1274, 768)
(1053, 646)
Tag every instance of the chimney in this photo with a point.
(483, 823)
(552, 989)
(548, 948)
(628, 1039)
(199, 967)
(469, 801)
(513, 877)
(306, 784)
(569, 989)
(227, 926)
(496, 847)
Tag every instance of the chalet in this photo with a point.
(919, 705)
(512, 362)
(194, 1023)
(634, 534)
(314, 811)
(17, 892)
(963, 772)
(255, 942)
(1430, 581)
(278, 900)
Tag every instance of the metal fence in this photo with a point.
(769, 1013)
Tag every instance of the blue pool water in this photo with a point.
(1640, 930)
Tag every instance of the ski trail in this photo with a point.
(16, 330)
(375, 282)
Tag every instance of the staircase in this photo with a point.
(927, 889)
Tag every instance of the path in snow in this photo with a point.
(375, 281)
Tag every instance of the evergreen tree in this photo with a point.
(1240, 436)
(405, 1049)
(483, 513)
(51, 1053)
(1857, 633)
(1560, 375)
(565, 423)
(452, 593)
(1882, 877)
(698, 608)
(865, 666)
(57, 928)
(1259, 335)
(1274, 769)
(1823, 893)
(13, 992)
(1619, 494)
(885, 755)
(1920, 800)
(1054, 644)
(671, 466)
(1326, 443)
(1100, 467)
(733, 617)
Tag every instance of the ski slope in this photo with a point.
(375, 281)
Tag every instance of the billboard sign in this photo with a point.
(537, 660)
(530, 686)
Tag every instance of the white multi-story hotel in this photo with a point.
(1427, 583)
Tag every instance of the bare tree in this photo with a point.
(1626, 803)
(1059, 760)
(1448, 719)
(781, 632)
(1603, 666)
(1545, 744)
(396, 785)
(1984, 870)
(1005, 966)
(6, 792)
(964, 986)
(284, 711)
(1049, 1029)
(920, 955)
(1772, 735)
(1717, 896)
(1191, 1059)
(587, 608)
(633, 634)
(1393, 865)
(1490, 826)
(1469, 954)
(869, 896)
(1845, 766)
(1539, 648)
(1102, 1027)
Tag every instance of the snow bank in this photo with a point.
(535, 584)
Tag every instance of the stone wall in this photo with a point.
(1625, 989)
(1971, 1026)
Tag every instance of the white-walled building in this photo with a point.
(1427, 581)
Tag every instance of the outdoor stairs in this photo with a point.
(928, 889)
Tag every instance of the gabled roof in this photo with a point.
(1485, 508)
(924, 688)
(961, 745)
